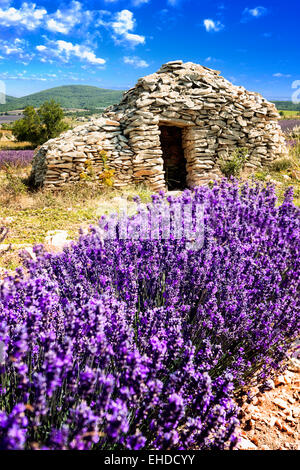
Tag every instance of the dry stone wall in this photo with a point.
(216, 118)
(66, 159)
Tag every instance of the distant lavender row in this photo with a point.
(19, 158)
(292, 143)
(287, 125)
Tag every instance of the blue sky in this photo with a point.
(111, 43)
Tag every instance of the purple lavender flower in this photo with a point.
(17, 158)
(141, 343)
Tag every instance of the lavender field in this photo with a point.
(142, 342)
(287, 125)
(16, 158)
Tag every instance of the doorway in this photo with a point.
(173, 156)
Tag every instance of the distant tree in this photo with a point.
(51, 116)
(287, 105)
(38, 126)
(29, 128)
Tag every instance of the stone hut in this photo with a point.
(170, 131)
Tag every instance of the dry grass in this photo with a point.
(7, 142)
(15, 145)
(290, 114)
(285, 172)
(31, 215)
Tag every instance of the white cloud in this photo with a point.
(281, 75)
(64, 51)
(135, 3)
(258, 11)
(123, 24)
(211, 59)
(175, 3)
(213, 26)
(72, 17)
(18, 49)
(251, 13)
(138, 3)
(12, 47)
(22, 76)
(31, 17)
(56, 26)
(63, 21)
(135, 61)
(134, 39)
(28, 15)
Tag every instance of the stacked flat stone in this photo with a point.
(216, 118)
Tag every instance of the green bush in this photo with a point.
(261, 175)
(234, 165)
(14, 184)
(40, 125)
(282, 164)
(6, 126)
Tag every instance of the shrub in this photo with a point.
(125, 341)
(7, 126)
(261, 175)
(39, 126)
(233, 166)
(15, 185)
(91, 173)
(282, 164)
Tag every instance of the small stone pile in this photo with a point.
(215, 116)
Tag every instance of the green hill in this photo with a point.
(287, 106)
(9, 100)
(69, 96)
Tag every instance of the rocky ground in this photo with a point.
(271, 417)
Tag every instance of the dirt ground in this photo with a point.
(271, 418)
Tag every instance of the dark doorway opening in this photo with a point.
(173, 156)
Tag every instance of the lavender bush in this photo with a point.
(17, 158)
(287, 125)
(140, 343)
